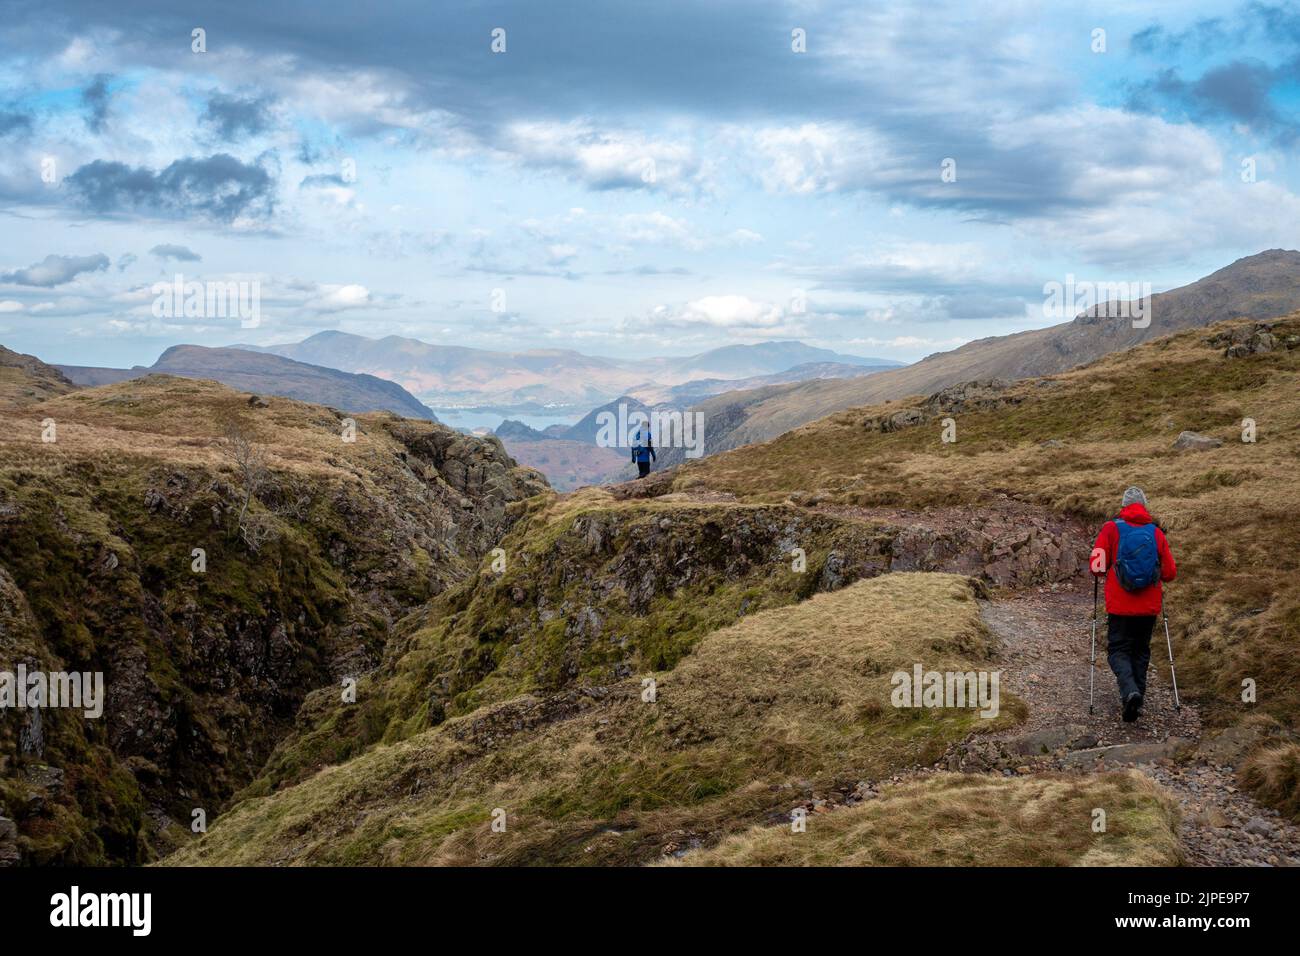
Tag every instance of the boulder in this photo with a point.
(969, 396)
(1194, 441)
(1065, 737)
(1125, 755)
(953, 400)
(1230, 746)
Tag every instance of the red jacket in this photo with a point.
(1118, 600)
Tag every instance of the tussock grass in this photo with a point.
(781, 703)
(954, 820)
(1273, 773)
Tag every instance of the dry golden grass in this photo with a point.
(798, 694)
(181, 421)
(1273, 773)
(957, 820)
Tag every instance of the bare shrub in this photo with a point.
(249, 461)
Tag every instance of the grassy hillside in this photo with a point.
(311, 548)
(516, 693)
(763, 714)
(1072, 443)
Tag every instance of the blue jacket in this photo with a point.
(643, 446)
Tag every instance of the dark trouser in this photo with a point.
(642, 469)
(1128, 649)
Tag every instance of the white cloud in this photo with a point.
(604, 159)
(721, 312)
(338, 298)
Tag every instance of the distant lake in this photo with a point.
(472, 418)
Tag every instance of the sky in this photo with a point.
(626, 179)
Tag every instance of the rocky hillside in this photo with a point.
(1257, 287)
(600, 586)
(265, 374)
(216, 556)
(25, 379)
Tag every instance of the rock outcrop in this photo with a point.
(980, 395)
(1252, 339)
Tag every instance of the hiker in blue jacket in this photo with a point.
(643, 449)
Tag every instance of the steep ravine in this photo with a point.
(206, 661)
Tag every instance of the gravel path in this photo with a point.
(1044, 657)
(1045, 640)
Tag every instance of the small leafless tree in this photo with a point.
(249, 460)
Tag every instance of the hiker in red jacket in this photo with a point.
(1133, 554)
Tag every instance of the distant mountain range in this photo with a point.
(698, 389)
(1261, 286)
(451, 375)
(267, 374)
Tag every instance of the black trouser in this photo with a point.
(642, 469)
(1128, 649)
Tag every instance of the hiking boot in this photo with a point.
(1132, 704)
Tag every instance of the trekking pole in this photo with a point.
(1092, 666)
(1170, 644)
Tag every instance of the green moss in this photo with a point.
(565, 613)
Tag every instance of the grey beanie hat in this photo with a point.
(1133, 494)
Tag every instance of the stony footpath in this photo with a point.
(1045, 648)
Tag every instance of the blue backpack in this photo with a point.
(1137, 563)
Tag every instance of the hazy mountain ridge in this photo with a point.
(269, 374)
(699, 389)
(458, 375)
